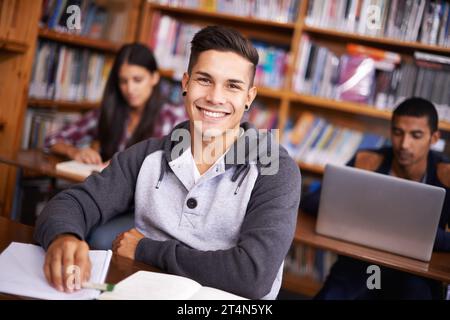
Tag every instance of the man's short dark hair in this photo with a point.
(418, 107)
(222, 39)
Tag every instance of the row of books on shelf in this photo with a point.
(105, 21)
(304, 260)
(261, 116)
(171, 38)
(40, 123)
(170, 41)
(371, 76)
(314, 140)
(282, 11)
(425, 21)
(65, 73)
(272, 65)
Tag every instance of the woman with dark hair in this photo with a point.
(131, 111)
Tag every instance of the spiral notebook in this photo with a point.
(22, 274)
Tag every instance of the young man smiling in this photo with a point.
(414, 129)
(208, 203)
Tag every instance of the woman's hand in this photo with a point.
(86, 155)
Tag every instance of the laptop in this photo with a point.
(380, 211)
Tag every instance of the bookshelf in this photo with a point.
(78, 41)
(289, 103)
(105, 27)
(118, 15)
(18, 32)
(350, 107)
(62, 105)
(21, 28)
(221, 17)
(388, 42)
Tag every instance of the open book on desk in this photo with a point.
(78, 170)
(146, 285)
(22, 273)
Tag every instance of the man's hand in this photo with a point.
(65, 252)
(125, 244)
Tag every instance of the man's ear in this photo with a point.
(251, 95)
(435, 137)
(184, 81)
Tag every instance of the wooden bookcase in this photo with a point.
(106, 47)
(287, 102)
(19, 32)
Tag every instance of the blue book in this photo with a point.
(60, 7)
(90, 15)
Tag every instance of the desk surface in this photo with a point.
(438, 268)
(119, 269)
(38, 161)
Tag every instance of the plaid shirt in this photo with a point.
(82, 132)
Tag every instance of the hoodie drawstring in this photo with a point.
(163, 171)
(238, 171)
(247, 169)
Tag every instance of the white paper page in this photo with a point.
(145, 285)
(207, 293)
(22, 273)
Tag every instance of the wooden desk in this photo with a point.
(437, 268)
(119, 269)
(40, 162)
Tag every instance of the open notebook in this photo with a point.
(78, 169)
(146, 285)
(21, 273)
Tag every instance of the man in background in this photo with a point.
(414, 129)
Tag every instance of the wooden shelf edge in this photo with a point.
(350, 107)
(224, 16)
(58, 104)
(445, 126)
(77, 40)
(385, 41)
(13, 46)
(270, 93)
(301, 284)
(166, 73)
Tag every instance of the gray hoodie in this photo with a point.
(231, 230)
